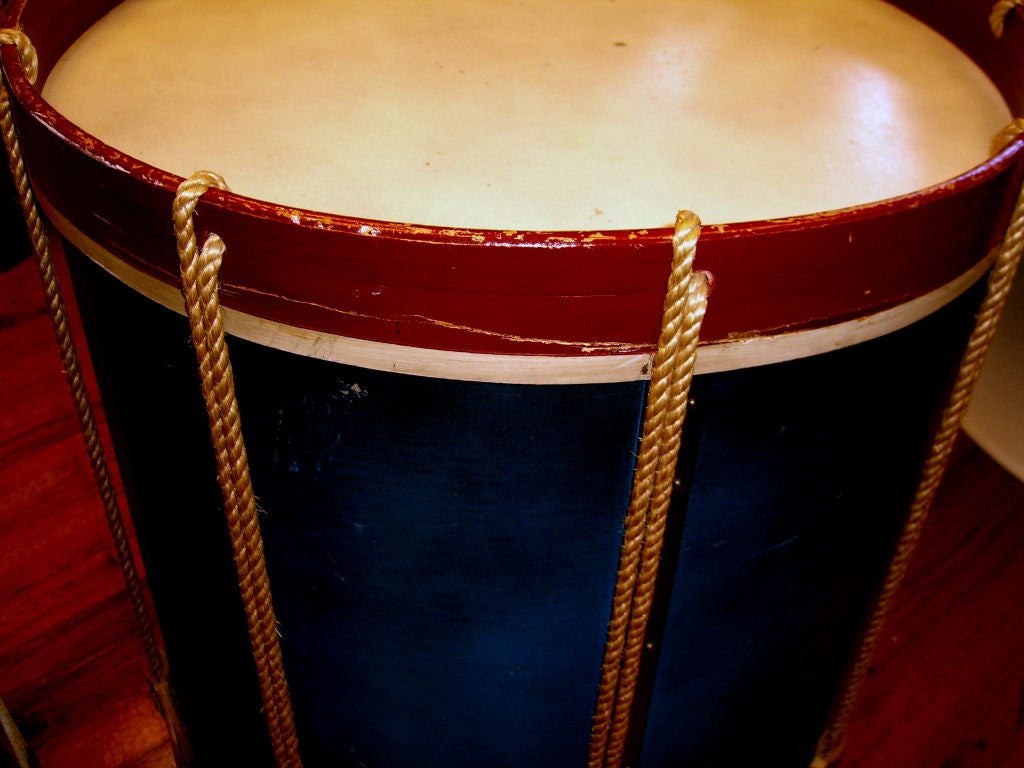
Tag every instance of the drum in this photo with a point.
(442, 417)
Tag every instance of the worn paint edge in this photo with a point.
(529, 369)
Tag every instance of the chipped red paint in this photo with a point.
(552, 293)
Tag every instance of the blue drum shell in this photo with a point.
(443, 553)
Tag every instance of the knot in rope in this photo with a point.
(26, 51)
(997, 19)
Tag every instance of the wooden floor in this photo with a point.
(947, 689)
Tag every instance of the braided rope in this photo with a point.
(643, 538)
(997, 18)
(17, 746)
(199, 280)
(87, 423)
(26, 52)
(831, 744)
(1008, 135)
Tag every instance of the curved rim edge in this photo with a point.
(531, 369)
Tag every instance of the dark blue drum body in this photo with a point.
(443, 553)
(12, 223)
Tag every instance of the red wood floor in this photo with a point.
(946, 690)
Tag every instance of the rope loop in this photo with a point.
(653, 480)
(196, 185)
(997, 19)
(187, 197)
(200, 288)
(26, 51)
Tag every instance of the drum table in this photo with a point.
(520, 467)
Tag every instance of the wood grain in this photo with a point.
(71, 665)
(945, 691)
(948, 682)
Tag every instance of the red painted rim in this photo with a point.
(525, 292)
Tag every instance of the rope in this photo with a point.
(997, 19)
(199, 271)
(643, 538)
(1005, 137)
(19, 749)
(69, 358)
(831, 743)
